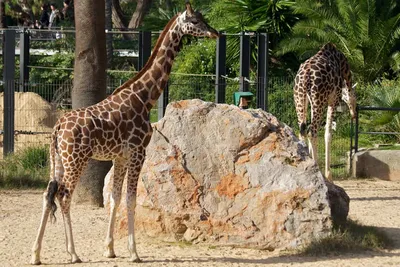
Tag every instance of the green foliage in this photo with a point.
(383, 94)
(367, 32)
(34, 158)
(60, 64)
(13, 7)
(195, 58)
(274, 17)
(56, 67)
(25, 169)
(349, 238)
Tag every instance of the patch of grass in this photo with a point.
(349, 238)
(25, 169)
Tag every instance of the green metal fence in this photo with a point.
(37, 109)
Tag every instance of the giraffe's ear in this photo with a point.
(189, 10)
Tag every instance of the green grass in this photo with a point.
(340, 146)
(349, 238)
(153, 115)
(25, 169)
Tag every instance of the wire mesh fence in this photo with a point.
(37, 109)
(47, 94)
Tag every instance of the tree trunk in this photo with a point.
(118, 15)
(2, 14)
(90, 85)
(137, 17)
(141, 9)
(109, 36)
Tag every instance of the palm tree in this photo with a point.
(274, 17)
(366, 31)
(90, 84)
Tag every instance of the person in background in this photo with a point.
(55, 16)
(67, 11)
(44, 17)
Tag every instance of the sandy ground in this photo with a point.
(373, 202)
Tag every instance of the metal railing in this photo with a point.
(357, 124)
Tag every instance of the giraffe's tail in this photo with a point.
(303, 129)
(53, 185)
(52, 190)
(307, 86)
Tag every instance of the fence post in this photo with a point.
(163, 102)
(244, 61)
(220, 84)
(356, 132)
(23, 60)
(9, 89)
(262, 71)
(144, 48)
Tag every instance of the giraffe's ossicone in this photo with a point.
(117, 129)
(323, 80)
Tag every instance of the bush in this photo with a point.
(383, 94)
(25, 169)
(349, 238)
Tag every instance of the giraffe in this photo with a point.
(322, 80)
(117, 129)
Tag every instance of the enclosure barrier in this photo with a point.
(357, 126)
(273, 94)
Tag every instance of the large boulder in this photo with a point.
(216, 173)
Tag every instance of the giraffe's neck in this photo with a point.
(149, 83)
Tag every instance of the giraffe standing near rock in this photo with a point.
(117, 129)
(322, 80)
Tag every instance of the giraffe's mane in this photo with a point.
(329, 46)
(151, 59)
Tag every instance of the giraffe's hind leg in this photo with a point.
(70, 179)
(35, 259)
(117, 180)
(48, 206)
(301, 103)
(328, 140)
(316, 119)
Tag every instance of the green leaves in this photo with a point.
(367, 32)
(385, 94)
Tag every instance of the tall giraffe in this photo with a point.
(117, 129)
(322, 80)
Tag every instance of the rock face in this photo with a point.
(215, 173)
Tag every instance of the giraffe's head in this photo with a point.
(193, 23)
(349, 97)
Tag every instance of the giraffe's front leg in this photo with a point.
(117, 178)
(132, 180)
(131, 205)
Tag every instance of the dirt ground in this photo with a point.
(373, 202)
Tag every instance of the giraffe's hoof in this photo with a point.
(77, 260)
(135, 259)
(35, 262)
(109, 254)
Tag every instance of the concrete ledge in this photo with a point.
(382, 164)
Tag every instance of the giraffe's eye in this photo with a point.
(195, 21)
